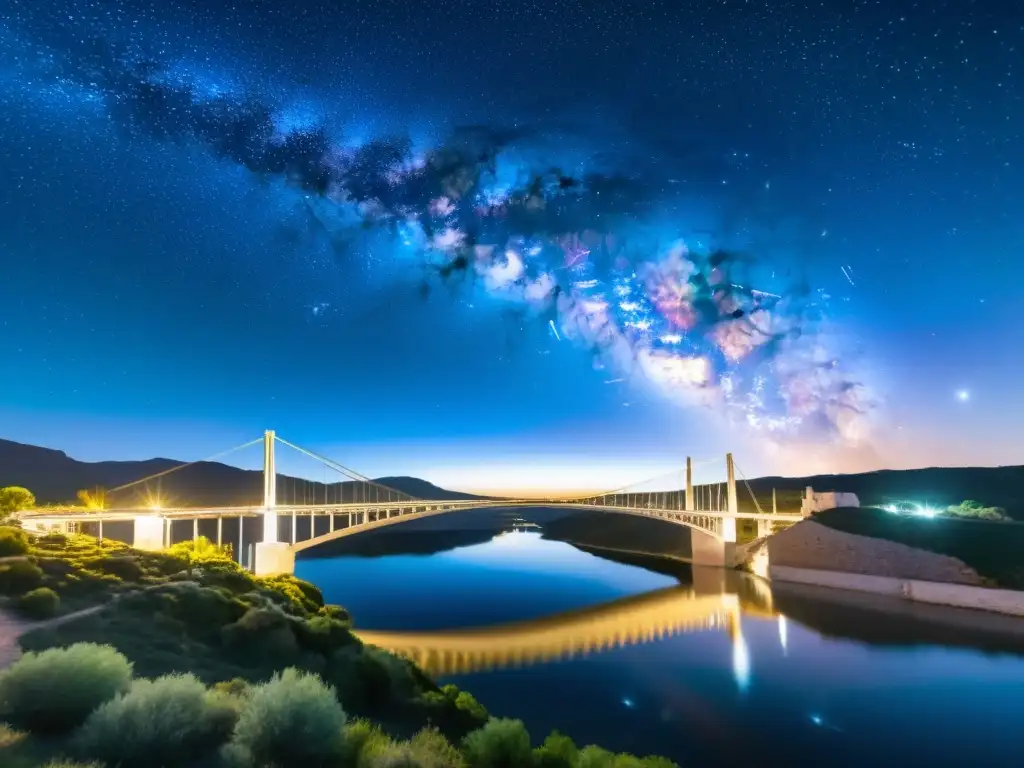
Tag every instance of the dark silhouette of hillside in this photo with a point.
(938, 486)
(55, 478)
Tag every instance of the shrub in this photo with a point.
(324, 634)
(466, 702)
(501, 743)
(13, 541)
(56, 690)
(200, 607)
(124, 567)
(200, 550)
(337, 612)
(19, 577)
(557, 751)
(596, 757)
(41, 603)
(433, 750)
(14, 498)
(70, 764)
(361, 740)
(173, 719)
(265, 631)
(52, 540)
(236, 687)
(291, 720)
(294, 595)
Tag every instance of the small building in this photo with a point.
(821, 500)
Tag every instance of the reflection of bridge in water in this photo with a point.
(628, 621)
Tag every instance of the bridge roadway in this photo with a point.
(152, 527)
(628, 621)
(393, 512)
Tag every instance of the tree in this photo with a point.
(94, 499)
(14, 498)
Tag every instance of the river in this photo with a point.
(700, 668)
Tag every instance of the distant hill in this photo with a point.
(939, 486)
(55, 478)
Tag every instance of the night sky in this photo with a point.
(515, 244)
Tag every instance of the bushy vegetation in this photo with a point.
(41, 603)
(13, 541)
(293, 719)
(14, 498)
(278, 661)
(976, 511)
(54, 691)
(173, 721)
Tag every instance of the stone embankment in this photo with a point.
(817, 547)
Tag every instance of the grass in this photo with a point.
(192, 611)
(991, 549)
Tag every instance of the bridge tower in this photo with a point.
(718, 551)
(273, 557)
(269, 488)
(690, 505)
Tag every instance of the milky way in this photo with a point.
(560, 245)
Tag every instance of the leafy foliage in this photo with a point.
(557, 751)
(40, 603)
(977, 511)
(20, 576)
(56, 690)
(13, 541)
(173, 717)
(501, 743)
(14, 498)
(292, 720)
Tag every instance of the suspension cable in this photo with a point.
(750, 490)
(182, 466)
(351, 474)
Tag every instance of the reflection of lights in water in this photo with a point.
(819, 721)
(740, 662)
(783, 633)
(628, 703)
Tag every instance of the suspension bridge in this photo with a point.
(710, 511)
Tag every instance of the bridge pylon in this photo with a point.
(690, 502)
(273, 557)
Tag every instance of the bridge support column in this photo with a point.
(764, 528)
(705, 549)
(273, 557)
(148, 533)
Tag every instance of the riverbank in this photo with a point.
(193, 611)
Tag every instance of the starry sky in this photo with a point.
(515, 245)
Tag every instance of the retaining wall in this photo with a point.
(1005, 601)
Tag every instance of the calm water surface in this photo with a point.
(738, 685)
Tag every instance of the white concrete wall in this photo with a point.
(814, 501)
(1005, 601)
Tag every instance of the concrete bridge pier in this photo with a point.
(721, 550)
(149, 533)
(273, 557)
